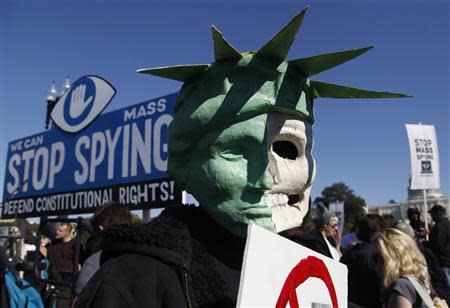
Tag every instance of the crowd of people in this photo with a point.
(65, 265)
(388, 260)
(390, 263)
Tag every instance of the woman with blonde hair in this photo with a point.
(401, 258)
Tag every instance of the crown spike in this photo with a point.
(222, 49)
(316, 64)
(323, 89)
(178, 72)
(278, 47)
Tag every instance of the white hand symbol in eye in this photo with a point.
(77, 102)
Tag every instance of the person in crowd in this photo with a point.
(363, 263)
(439, 242)
(331, 236)
(325, 239)
(43, 257)
(241, 143)
(388, 220)
(47, 233)
(14, 247)
(112, 213)
(401, 257)
(437, 277)
(60, 252)
(418, 225)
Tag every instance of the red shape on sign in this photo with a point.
(306, 268)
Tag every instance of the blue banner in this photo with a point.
(121, 156)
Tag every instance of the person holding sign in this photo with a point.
(241, 143)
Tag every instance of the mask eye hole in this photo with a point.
(285, 149)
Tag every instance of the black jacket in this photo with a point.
(179, 259)
(437, 276)
(440, 241)
(364, 275)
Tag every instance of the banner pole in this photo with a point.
(425, 212)
(146, 215)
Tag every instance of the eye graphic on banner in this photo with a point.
(426, 166)
(82, 103)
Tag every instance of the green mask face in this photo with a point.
(229, 174)
(241, 138)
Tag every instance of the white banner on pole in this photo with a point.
(338, 209)
(424, 156)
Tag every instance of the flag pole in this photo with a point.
(425, 211)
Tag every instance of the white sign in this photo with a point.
(338, 209)
(424, 157)
(279, 273)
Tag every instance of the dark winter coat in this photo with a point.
(180, 259)
(437, 276)
(440, 241)
(364, 275)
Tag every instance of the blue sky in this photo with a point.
(360, 142)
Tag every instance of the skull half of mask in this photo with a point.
(292, 168)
